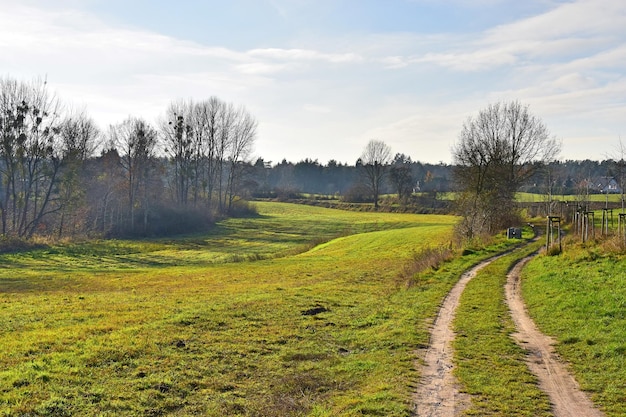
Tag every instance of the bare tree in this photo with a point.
(135, 141)
(207, 143)
(207, 130)
(180, 145)
(240, 147)
(375, 162)
(496, 152)
(30, 155)
(79, 136)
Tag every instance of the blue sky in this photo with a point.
(323, 77)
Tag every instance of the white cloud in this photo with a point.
(479, 60)
(334, 94)
(568, 31)
(264, 68)
(572, 19)
(316, 108)
(303, 55)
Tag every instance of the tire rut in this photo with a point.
(565, 395)
(438, 392)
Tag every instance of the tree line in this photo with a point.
(346, 181)
(61, 175)
(147, 180)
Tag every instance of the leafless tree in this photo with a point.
(207, 141)
(179, 145)
(375, 163)
(496, 152)
(242, 139)
(31, 154)
(80, 137)
(135, 141)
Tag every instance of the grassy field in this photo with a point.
(524, 197)
(579, 298)
(539, 198)
(299, 311)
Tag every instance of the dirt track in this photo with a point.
(438, 394)
(565, 395)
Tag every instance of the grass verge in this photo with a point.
(579, 298)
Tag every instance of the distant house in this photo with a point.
(607, 185)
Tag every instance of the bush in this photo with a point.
(427, 258)
(243, 208)
(358, 193)
(15, 244)
(168, 221)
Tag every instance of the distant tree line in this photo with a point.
(62, 176)
(346, 181)
(405, 177)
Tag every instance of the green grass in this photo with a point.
(298, 311)
(246, 321)
(524, 197)
(489, 364)
(579, 298)
(279, 230)
(540, 198)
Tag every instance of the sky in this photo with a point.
(324, 77)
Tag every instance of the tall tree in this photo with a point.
(401, 176)
(242, 139)
(30, 155)
(374, 164)
(497, 150)
(135, 141)
(207, 143)
(180, 145)
(79, 136)
(207, 130)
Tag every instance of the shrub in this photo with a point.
(15, 244)
(427, 258)
(358, 193)
(169, 221)
(242, 208)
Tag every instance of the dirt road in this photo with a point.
(565, 395)
(438, 393)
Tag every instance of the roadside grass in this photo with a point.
(488, 363)
(245, 321)
(579, 298)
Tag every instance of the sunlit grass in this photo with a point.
(540, 198)
(193, 327)
(579, 298)
(279, 230)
